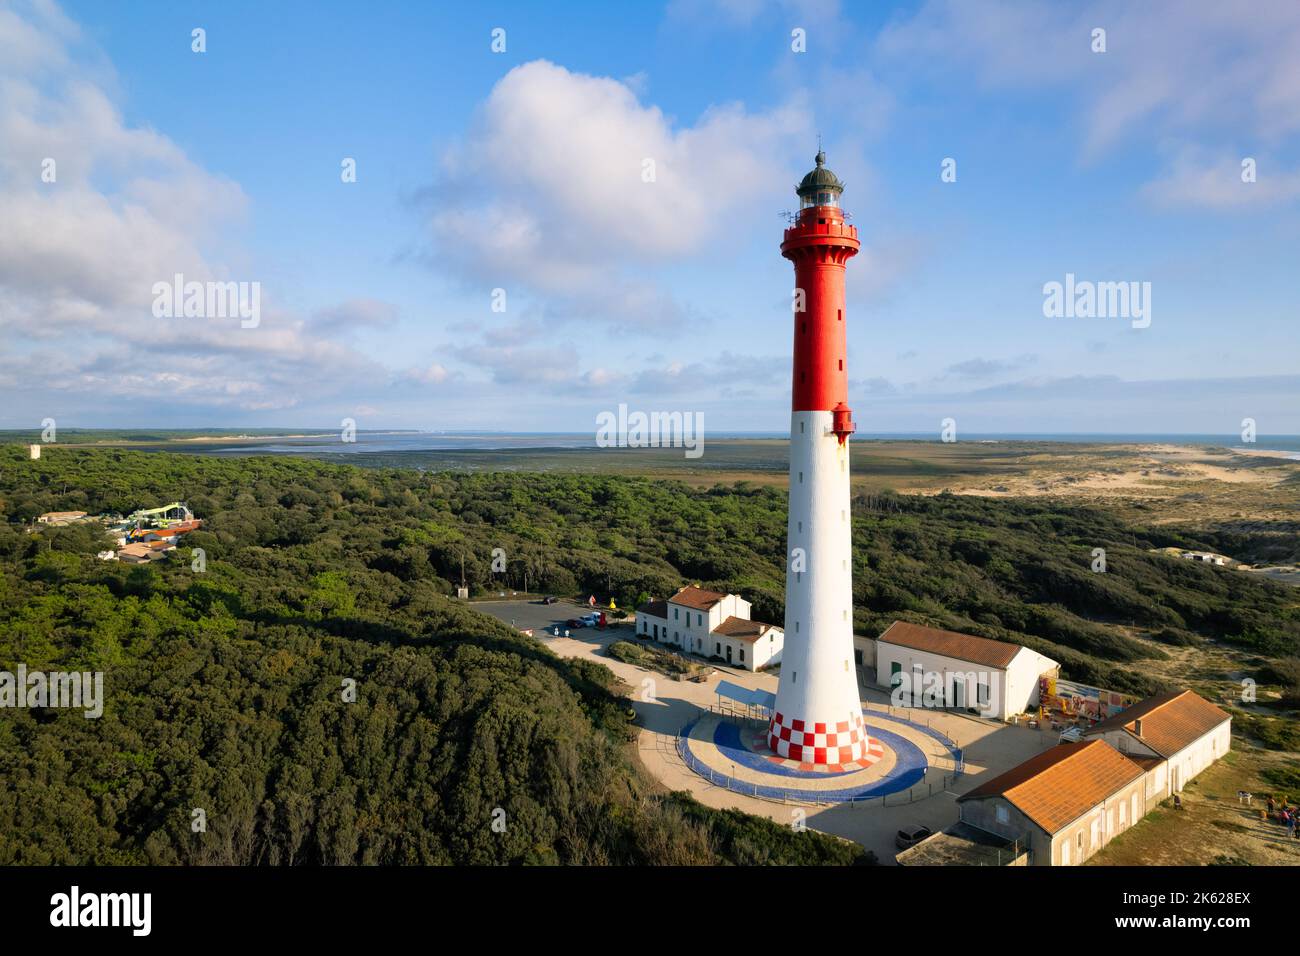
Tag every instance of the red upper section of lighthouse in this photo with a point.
(819, 244)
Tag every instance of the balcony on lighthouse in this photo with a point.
(842, 422)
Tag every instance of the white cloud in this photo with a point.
(1194, 180)
(549, 190)
(79, 256)
(1182, 69)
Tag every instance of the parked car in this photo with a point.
(911, 836)
(575, 623)
(550, 599)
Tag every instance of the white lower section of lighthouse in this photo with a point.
(818, 716)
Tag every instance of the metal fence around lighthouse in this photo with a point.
(942, 771)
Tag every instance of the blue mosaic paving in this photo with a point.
(908, 770)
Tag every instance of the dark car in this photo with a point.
(550, 599)
(911, 836)
(574, 623)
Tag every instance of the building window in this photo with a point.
(717, 649)
(794, 677)
(699, 619)
(801, 477)
(742, 655)
(674, 614)
(1002, 815)
(801, 428)
(841, 365)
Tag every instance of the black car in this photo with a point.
(911, 836)
(550, 599)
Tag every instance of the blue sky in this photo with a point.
(522, 171)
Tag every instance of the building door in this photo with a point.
(656, 632)
(728, 653)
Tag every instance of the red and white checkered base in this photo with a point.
(844, 744)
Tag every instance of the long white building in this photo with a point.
(1174, 735)
(996, 678)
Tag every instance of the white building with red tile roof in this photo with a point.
(712, 624)
(1178, 734)
(937, 668)
(1062, 805)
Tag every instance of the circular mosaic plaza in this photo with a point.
(734, 753)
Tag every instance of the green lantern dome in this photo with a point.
(821, 187)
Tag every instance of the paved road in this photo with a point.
(533, 615)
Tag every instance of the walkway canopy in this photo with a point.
(753, 703)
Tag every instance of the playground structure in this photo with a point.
(164, 517)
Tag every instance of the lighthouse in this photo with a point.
(817, 719)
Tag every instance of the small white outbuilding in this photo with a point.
(932, 667)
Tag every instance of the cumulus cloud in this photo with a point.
(95, 212)
(569, 185)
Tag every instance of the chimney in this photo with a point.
(1137, 726)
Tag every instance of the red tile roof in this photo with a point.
(1170, 721)
(963, 647)
(741, 629)
(1063, 783)
(655, 609)
(697, 598)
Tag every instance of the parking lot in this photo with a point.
(532, 615)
